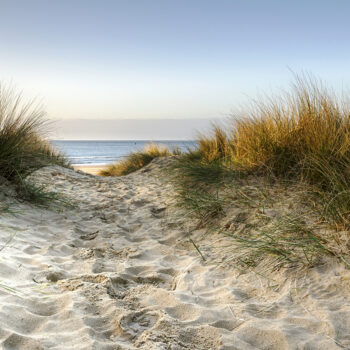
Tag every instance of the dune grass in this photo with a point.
(23, 148)
(287, 241)
(286, 135)
(302, 136)
(137, 160)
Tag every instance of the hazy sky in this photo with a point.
(167, 59)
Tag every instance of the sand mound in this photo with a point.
(118, 272)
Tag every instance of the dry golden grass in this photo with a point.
(304, 134)
(283, 133)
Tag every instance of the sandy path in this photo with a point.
(118, 272)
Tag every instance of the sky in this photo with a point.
(162, 59)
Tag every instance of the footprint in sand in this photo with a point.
(135, 323)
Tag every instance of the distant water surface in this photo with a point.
(104, 152)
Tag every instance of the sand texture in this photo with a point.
(118, 272)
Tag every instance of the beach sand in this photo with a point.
(118, 271)
(90, 169)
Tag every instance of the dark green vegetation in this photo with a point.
(23, 148)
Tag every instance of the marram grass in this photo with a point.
(23, 147)
(301, 137)
(304, 134)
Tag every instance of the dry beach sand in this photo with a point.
(118, 272)
(90, 169)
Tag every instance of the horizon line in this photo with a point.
(113, 140)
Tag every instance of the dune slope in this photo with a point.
(118, 272)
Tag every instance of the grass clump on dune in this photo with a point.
(284, 134)
(23, 148)
(301, 137)
(304, 135)
(137, 160)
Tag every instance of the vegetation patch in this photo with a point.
(23, 147)
(137, 160)
(300, 139)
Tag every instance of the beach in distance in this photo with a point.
(90, 169)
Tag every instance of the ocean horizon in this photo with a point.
(103, 152)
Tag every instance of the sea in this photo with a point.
(105, 152)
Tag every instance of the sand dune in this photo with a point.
(118, 272)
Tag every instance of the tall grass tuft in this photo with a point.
(23, 148)
(285, 134)
(137, 160)
(216, 146)
(303, 134)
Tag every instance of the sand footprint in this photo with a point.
(17, 341)
(135, 323)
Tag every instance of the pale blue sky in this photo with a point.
(167, 59)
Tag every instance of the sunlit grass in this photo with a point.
(304, 134)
